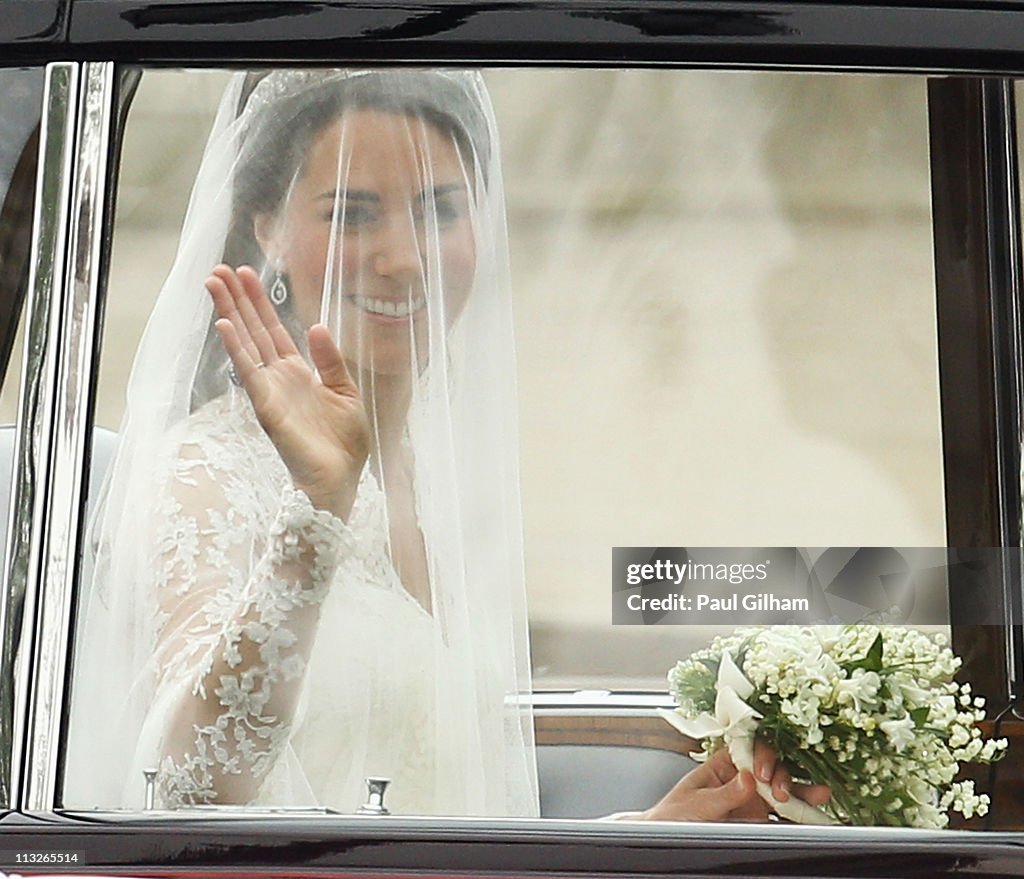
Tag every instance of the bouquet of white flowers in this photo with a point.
(871, 711)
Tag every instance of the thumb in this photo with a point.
(718, 802)
(328, 361)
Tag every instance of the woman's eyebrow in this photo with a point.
(366, 195)
(348, 195)
(443, 189)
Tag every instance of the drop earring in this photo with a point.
(279, 289)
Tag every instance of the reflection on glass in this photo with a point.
(21, 93)
(726, 331)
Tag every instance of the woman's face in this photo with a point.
(393, 194)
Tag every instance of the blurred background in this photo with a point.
(725, 320)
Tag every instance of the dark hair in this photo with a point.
(281, 129)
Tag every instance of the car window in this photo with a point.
(616, 207)
(22, 97)
(724, 315)
(21, 92)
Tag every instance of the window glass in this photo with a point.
(162, 146)
(22, 91)
(726, 326)
(723, 305)
(20, 109)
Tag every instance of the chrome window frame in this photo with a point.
(12, 620)
(49, 246)
(45, 525)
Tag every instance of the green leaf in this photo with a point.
(920, 715)
(872, 660)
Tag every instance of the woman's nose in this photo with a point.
(396, 250)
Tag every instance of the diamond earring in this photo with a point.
(279, 289)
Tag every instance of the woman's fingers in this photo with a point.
(781, 783)
(717, 770)
(726, 801)
(764, 760)
(226, 307)
(265, 311)
(783, 787)
(768, 769)
(699, 796)
(244, 363)
(720, 765)
(329, 362)
(716, 791)
(813, 794)
(253, 323)
(239, 296)
(254, 336)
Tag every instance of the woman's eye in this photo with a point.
(446, 211)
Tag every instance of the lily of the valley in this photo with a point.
(736, 723)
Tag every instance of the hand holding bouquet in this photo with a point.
(871, 711)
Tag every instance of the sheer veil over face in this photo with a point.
(403, 175)
(370, 202)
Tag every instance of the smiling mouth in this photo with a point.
(389, 307)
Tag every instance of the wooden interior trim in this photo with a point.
(630, 731)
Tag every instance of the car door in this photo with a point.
(802, 287)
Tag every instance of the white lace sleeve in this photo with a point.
(240, 577)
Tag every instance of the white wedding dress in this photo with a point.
(244, 566)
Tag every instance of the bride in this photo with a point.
(308, 564)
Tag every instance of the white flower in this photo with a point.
(828, 636)
(900, 732)
(878, 704)
(861, 688)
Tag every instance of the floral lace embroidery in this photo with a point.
(239, 600)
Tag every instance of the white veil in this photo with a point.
(423, 685)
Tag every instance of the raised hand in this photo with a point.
(317, 423)
(716, 791)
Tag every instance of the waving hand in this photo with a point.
(317, 423)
